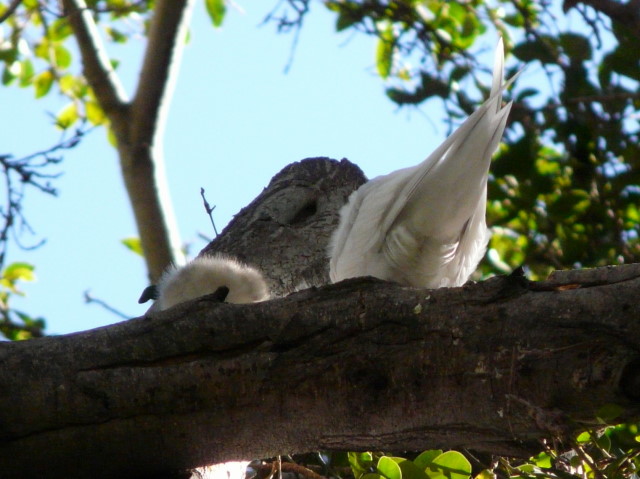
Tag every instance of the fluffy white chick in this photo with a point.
(204, 275)
(424, 226)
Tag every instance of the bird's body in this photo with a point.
(424, 226)
(204, 275)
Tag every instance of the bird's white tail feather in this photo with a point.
(425, 225)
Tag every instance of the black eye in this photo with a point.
(308, 209)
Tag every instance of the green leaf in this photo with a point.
(410, 470)
(216, 10)
(389, 468)
(67, 116)
(453, 465)
(526, 468)
(7, 74)
(609, 412)
(384, 51)
(486, 474)
(583, 437)
(95, 115)
(425, 459)
(59, 29)
(26, 74)
(42, 83)
(19, 271)
(134, 245)
(360, 462)
(542, 460)
(116, 35)
(622, 61)
(347, 18)
(576, 46)
(8, 53)
(62, 55)
(526, 93)
(543, 49)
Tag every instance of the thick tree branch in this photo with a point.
(97, 67)
(142, 157)
(138, 126)
(165, 43)
(362, 364)
(145, 179)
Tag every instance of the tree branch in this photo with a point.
(139, 126)
(166, 40)
(10, 10)
(141, 153)
(362, 364)
(97, 67)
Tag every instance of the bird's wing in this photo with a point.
(358, 235)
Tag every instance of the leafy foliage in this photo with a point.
(14, 324)
(36, 52)
(565, 186)
(432, 464)
(609, 452)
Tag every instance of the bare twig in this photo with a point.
(20, 173)
(91, 299)
(209, 209)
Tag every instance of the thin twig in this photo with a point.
(209, 209)
(90, 299)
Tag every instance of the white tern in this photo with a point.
(204, 275)
(424, 226)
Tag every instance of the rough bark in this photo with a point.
(362, 364)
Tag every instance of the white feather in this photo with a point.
(204, 275)
(424, 226)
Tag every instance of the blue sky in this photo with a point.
(236, 119)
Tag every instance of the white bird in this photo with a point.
(204, 275)
(424, 226)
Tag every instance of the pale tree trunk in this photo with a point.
(362, 364)
(138, 125)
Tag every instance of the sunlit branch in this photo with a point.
(166, 40)
(97, 66)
